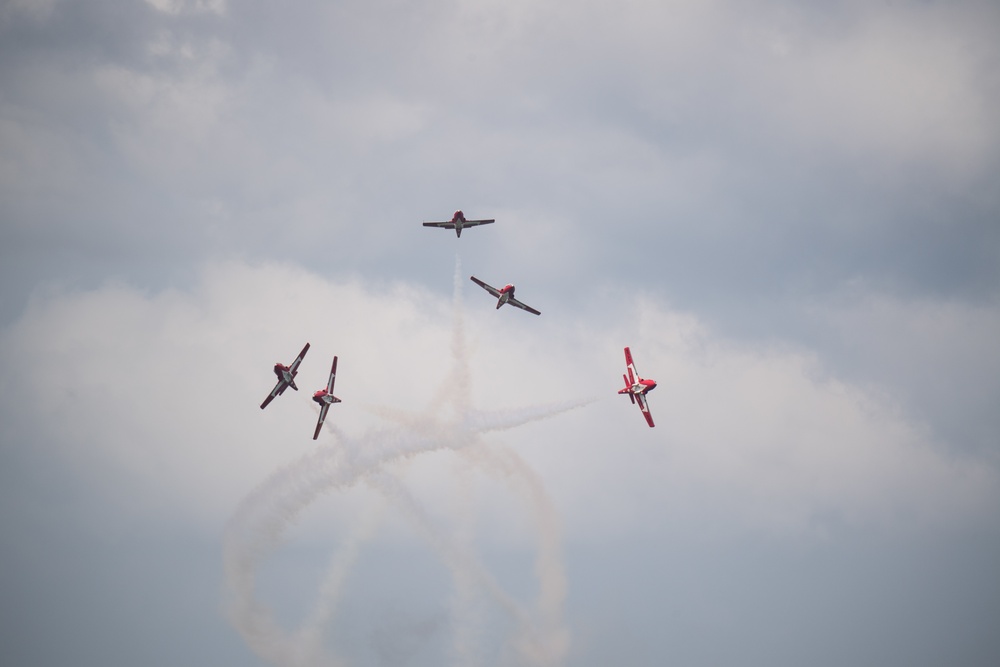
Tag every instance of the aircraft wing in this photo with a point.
(298, 359)
(489, 288)
(445, 225)
(333, 376)
(278, 389)
(473, 223)
(644, 406)
(322, 418)
(632, 372)
(518, 304)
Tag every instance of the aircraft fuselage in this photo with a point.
(459, 220)
(322, 397)
(642, 387)
(506, 294)
(285, 375)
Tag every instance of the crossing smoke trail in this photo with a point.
(309, 641)
(263, 518)
(544, 639)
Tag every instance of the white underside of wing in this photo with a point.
(515, 302)
(492, 290)
(633, 372)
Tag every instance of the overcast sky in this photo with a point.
(791, 214)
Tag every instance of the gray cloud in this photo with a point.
(785, 150)
(755, 447)
(791, 212)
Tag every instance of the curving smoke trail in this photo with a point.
(309, 639)
(544, 639)
(263, 518)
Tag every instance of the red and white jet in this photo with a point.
(637, 388)
(457, 222)
(505, 295)
(325, 398)
(286, 377)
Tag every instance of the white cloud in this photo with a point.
(178, 7)
(902, 86)
(897, 85)
(938, 356)
(615, 144)
(921, 337)
(163, 389)
(750, 438)
(171, 125)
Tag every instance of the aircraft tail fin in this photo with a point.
(631, 397)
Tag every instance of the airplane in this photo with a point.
(458, 222)
(637, 388)
(505, 295)
(286, 377)
(325, 398)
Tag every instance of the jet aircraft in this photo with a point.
(286, 377)
(458, 222)
(325, 398)
(637, 388)
(505, 295)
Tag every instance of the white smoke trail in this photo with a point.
(309, 640)
(265, 515)
(448, 550)
(460, 360)
(467, 608)
(545, 638)
(467, 618)
(454, 391)
(263, 518)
